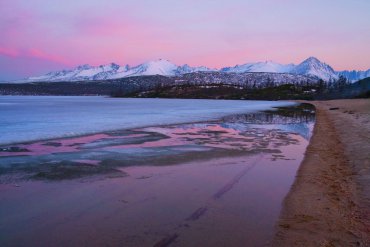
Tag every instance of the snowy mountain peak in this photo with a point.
(108, 67)
(126, 67)
(156, 67)
(160, 62)
(267, 66)
(310, 66)
(314, 67)
(312, 60)
(84, 66)
(114, 66)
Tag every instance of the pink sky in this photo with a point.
(42, 35)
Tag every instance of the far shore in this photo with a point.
(329, 202)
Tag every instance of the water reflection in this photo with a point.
(299, 119)
(248, 134)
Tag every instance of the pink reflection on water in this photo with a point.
(63, 145)
(207, 135)
(212, 198)
(214, 136)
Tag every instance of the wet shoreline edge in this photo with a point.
(323, 206)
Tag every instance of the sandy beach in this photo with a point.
(329, 202)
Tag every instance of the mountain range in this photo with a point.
(311, 67)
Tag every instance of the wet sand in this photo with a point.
(329, 202)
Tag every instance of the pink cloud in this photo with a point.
(10, 52)
(99, 26)
(33, 52)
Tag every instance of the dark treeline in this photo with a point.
(119, 87)
(205, 86)
(268, 90)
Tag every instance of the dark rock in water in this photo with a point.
(333, 108)
(14, 149)
(53, 144)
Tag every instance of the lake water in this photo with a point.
(26, 118)
(201, 173)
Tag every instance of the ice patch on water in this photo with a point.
(28, 118)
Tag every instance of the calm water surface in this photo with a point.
(27, 118)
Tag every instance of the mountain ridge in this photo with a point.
(311, 66)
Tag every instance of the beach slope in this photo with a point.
(329, 202)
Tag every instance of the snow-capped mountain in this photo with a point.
(115, 71)
(354, 75)
(267, 66)
(310, 67)
(313, 67)
(83, 72)
(157, 67)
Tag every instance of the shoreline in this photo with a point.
(328, 204)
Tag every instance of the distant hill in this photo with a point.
(138, 85)
(197, 85)
(355, 75)
(361, 89)
(215, 85)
